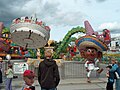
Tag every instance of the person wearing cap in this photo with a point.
(9, 76)
(48, 74)
(1, 69)
(28, 77)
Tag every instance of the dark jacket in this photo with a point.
(48, 74)
(111, 77)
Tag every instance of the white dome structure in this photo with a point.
(29, 33)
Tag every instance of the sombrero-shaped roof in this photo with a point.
(91, 41)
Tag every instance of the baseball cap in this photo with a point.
(29, 73)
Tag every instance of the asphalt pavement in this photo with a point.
(66, 84)
(70, 81)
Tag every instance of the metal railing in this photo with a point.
(73, 69)
(67, 69)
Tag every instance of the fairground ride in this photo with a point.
(9, 47)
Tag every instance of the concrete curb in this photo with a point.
(83, 81)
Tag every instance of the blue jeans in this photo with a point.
(8, 84)
(117, 84)
(49, 89)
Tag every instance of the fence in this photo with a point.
(73, 69)
(67, 69)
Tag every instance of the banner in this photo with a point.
(19, 68)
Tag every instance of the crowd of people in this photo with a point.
(113, 74)
(113, 71)
(48, 75)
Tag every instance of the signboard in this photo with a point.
(19, 68)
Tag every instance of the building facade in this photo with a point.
(115, 44)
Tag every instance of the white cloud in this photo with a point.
(113, 27)
(47, 11)
(66, 18)
(101, 0)
(115, 35)
(59, 14)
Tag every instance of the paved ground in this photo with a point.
(67, 84)
(71, 71)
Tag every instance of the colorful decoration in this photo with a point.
(66, 39)
(91, 46)
(72, 50)
(90, 41)
(93, 39)
(4, 44)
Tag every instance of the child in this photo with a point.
(28, 77)
(110, 76)
(9, 75)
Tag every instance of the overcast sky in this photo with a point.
(63, 15)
